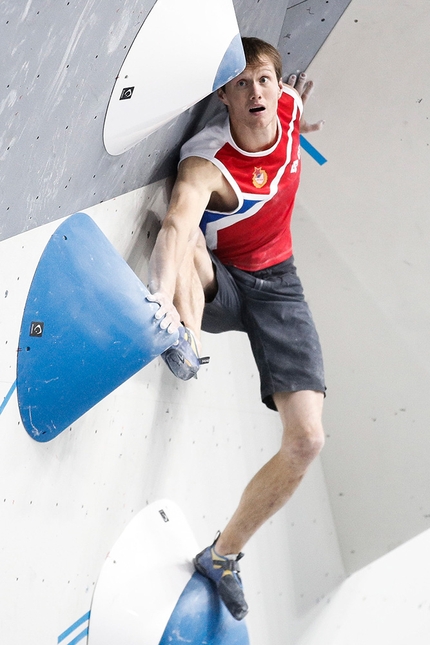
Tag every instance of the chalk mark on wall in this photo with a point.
(297, 4)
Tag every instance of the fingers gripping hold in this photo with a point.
(167, 314)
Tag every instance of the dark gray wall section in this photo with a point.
(60, 59)
(305, 28)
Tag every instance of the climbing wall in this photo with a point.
(360, 235)
(154, 437)
(60, 64)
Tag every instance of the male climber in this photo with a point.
(223, 260)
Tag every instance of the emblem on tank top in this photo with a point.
(259, 178)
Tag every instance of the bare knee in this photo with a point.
(303, 437)
(303, 443)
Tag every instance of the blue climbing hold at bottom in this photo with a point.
(200, 618)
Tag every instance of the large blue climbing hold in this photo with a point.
(200, 617)
(232, 64)
(87, 327)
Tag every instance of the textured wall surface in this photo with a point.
(60, 60)
(362, 226)
(362, 250)
(66, 502)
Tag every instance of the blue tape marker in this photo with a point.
(7, 397)
(72, 628)
(313, 152)
(79, 637)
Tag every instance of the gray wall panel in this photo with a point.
(306, 26)
(261, 18)
(60, 60)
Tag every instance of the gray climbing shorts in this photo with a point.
(269, 306)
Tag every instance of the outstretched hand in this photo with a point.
(167, 314)
(304, 89)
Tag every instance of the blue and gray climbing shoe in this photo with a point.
(224, 572)
(182, 358)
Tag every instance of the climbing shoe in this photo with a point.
(224, 572)
(182, 358)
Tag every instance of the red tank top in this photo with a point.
(257, 234)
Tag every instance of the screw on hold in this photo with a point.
(163, 515)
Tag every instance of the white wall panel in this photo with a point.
(386, 602)
(362, 231)
(66, 502)
(361, 236)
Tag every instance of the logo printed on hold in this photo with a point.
(295, 166)
(127, 93)
(259, 178)
(36, 329)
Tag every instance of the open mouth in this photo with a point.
(260, 108)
